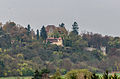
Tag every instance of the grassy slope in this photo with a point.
(16, 78)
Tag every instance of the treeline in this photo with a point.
(74, 74)
(22, 51)
(70, 39)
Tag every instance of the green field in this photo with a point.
(15, 77)
(100, 75)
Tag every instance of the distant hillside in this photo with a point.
(22, 50)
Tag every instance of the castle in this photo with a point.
(54, 34)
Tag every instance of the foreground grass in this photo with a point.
(100, 75)
(15, 77)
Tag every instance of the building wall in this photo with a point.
(59, 43)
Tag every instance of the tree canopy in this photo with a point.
(75, 28)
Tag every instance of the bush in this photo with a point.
(78, 74)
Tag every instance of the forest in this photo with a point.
(24, 51)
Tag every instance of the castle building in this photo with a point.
(52, 30)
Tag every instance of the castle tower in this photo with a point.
(103, 49)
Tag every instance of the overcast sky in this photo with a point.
(101, 16)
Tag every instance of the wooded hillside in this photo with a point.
(23, 50)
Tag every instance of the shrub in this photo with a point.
(78, 74)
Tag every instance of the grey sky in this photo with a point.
(102, 16)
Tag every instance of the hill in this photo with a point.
(22, 51)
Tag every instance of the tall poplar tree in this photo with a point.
(43, 33)
(28, 29)
(37, 34)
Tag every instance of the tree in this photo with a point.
(115, 76)
(1, 31)
(62, 25)
(94, 76)
(67, 41)
(44, 73)
(73, 76)
(78, 74)
(57, 74)
(37, 34)
(106, 76)
(75, 28)
(8, 26)
(43, 33)
(0, 25)
(28, 29)
(85, 77)
(37, 75)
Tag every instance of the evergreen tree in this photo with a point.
(67, 42)
(115, 76)
(0, 28)
(62, 25)
(94, 76)
(106, 76)
(43, 73)
(1, 31)
(28, 29)
(37, 34)
(73, 76)
(75, 28)
(37, 75)
(43, 33)
(85, 77)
